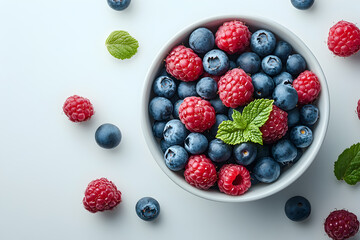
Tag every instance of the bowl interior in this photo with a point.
(290, 175)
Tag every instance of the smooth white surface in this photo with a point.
(51, 50)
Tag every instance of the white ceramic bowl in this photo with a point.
(261, 190)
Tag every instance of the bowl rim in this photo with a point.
(320, 132)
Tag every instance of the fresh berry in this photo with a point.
(253, 179)
(275, 127)
(307, 86)
(271, 65)
(293, 117)
(108, 136)
(341, 224)
(176, 158)
(164, 145)
(302, 4)
(358, 109)
(232, 65)
(100, 195)
(219, 119)
(176, 108)
(219, 106)
(233, 37)
(197, 114)
(297, 208)
(158, 129)
(263, 151)
(201, 40)
(118, 5)
(283, 77)
(295, 64)
(200, 172)
(186, 89)
(245, 153)
(234, 179)
(301, 136)
(164, 87)
(216, 62)
(263, 42)
(263, 85)
(235, 88)
(284, 151)
(216, 78)
(160, 108)
(219, 151)
(285, 96)
(249, 62)
(175, 132)
(283, 50)
(309, 114)
(196, 143)
(147, 208)
(184, 64)
(78, 109)
(344, 39)
(206, 88)
(267, 170)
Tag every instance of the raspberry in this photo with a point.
(234, 179)
(341, 224)
(100, 195)
(275, 127)
(78, 109)
(197, 114)
(235, 88)
(233, 37)
(200, 172)
(184, 64)
(307, 86)
(344, 39)
(358, 109)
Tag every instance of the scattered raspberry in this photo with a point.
(358, 109)
(344, 39)
(233, 37)
(234, 179)
(100, 195)
(307, 86)
(197, 114)
(200, 172)
(216, 78)
(184, 64)
(275, 127)
(235, 88)
(341, 224)
(78, 109)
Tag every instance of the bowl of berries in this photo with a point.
(235, 108)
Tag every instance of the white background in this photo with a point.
(50, 50)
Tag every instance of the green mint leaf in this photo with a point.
(230, 133)
(347, 166)
(253, 134)
(240, 122)
(121, 45)
(257, 112)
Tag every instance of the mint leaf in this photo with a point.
(347, 166)
(240, 122)
(257, 112)
(121, 45)
(230, 133)
(254, 134)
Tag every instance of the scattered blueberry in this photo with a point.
(245, 153)
(219, 119)
(263, 42)
(147, 208)
(249, 62)
(176, 108)
(263, 85)
(164, 145)
(302, 4)
(186, 89)
(301, 136)
(219, 151)
(160, 108)
(175, 132)
(295, 64)
(293, 117)
(158, 129)
(266, 170)
(108, 136)
(271, 65)
(196, 143)
(201, 40)
(309, 115)
(216, 62)
(164, 87)
(283, 50)
(118, 5)
(284, 151)
(285, 96)
(219, 106)
(176, 158)
(283, 77)
(297, 208)
(207, 88)
(232, 65)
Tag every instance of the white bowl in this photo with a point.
(289, 176)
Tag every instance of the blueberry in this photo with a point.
(297, 208)
(232, 65)
(263, 42)
(271, 65)
(219, 106)
(267, 170)
(293, 117)
(245, 153)
(283, 77)
(196, 143)
(301, 136)
(285, 96)
(176, 158)
(263, 151)
(231, 111)
(160, 108)
(176, 108)
(118, 5)
(147, 208)
(309, 114)
(175, 132)
(253, 179)
(295, 64)
(249, 62)
(186, 89)
(284, 151)
(219, 119)
(163, 72)
(164, 87)
(283, 50)
(201, 40)
(302, 4)
(158, 129)
(216, 62)
(263, 85)
(207, 88)
(108, 136)
(164, 145)
(219, 151)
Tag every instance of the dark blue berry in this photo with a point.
(271, 65)
(232, 65)
(176, 108)
(253, 179)
(158, 129)
(216, 62)
(301, 136)
(207, 88)
(263, 42)
(249, 61)
(245, 153)
(283, 77)
(118, 5)
(186, 89)
(176, 158)
(196, 143)
(219, 106)
(309, 114)
(263, 85)
(297, 208)
(302, 4)
(219, 151)
(219, 119)
(164, 87)
(293, 117)
(163, 72)
(164, 145)
(108, 136)
(285, 96)
(284, 151)
(160, 108)
(283, 50)
(295, 64)
(147, 208)
(175, 132)
(201, 40)
(266, 170)
(263, 151)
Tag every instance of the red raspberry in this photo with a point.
(307, 86)
(200, 172)
(235, 88)
(344, 39)
(197, 114)
(78, 109)
(341, 224)
(234, 179)
(275, 127)
(358, 109)
(184, 64)
(233, 37)
(100, 195)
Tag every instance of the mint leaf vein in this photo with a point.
(347, 166)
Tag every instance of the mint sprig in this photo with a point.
(245, 127)
(121, 44)
(347, 166)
